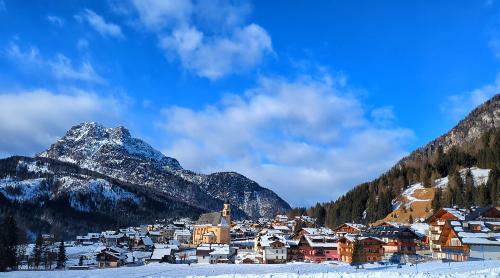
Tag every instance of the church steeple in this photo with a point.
(226, 212)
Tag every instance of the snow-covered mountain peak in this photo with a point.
(87, 142)
(115, 153)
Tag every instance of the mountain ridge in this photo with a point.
(104, 178)
(114, 152)
(473, 141)
(484, 117)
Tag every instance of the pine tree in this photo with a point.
(410, 219)
(425, 176)
(357, 253)
(483, 197)
(38, 251)
(494, 186)
(61, 256)
(436, 201)
(469, 189)
(8, 243)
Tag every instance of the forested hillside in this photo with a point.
(473, 144)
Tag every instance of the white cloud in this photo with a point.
(459, 105)
(306, 139)
(383, 116)
(56, 20)
(60, 66)
(156, 14)
(216, 57)
(100, 25)
(210, 38)
(32, 120)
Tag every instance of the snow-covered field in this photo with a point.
(477, 269)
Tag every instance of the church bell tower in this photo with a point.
(226, 212)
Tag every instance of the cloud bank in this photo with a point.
(106, 29)
(209, 38)
(32, 120)
(60, 66)
(307, 139)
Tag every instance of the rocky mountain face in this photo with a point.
(482, 119)
(114, 153)
(473, 143)
(58, 197)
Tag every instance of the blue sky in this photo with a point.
(307, 98)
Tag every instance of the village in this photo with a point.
(449, 234)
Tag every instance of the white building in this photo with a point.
(273, 248)
(183, 236)
(215, 253)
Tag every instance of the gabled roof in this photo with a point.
(212, 218)
(356, 226)
(359, 238)
(389, 232)
(467, 236)
(159, 253)
(321, 241)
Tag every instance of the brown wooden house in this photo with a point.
(349, 228)
(110, 257)
(373, 250)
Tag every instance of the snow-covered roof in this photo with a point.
(281, 227)
(183, 232)
(458, 213)
(267, 240)
(107, 236)
(159, 253)
(420, 229)
(485, 236)
(321, 241)
(147, 241)
(221, 250)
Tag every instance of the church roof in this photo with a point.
(212, 218)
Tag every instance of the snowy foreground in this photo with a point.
(476, 269)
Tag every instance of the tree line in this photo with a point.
(13, 249)
(371, 201)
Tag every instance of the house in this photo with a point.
(185, 256)
(372, 251)
(349, 228)
(438, 223)
(222, 254)
(203, 253)
(282, 228)
(157, 236)
(273, 248)
(318, 248)
(213, 227)
(398, 240)
(162, 254)
(111, 257)
(138, 257)
(110, 238)
(48, 239)
(183, 236)
(465, 240)
(281, 218)
(247, 257)
(312, 231)
(215, 253)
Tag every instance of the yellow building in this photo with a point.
(213, 227)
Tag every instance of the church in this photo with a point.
(213, 227)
